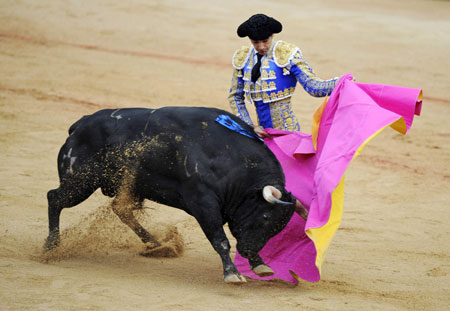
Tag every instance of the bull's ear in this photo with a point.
(273, 195)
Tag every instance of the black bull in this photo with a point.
(180, 157)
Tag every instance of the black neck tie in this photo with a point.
(256, 72)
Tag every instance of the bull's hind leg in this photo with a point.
(67, 195)
(123, 205)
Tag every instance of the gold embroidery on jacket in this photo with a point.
(240, 57)
(283, 53)
(282, 116)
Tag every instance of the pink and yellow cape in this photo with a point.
(315, 165)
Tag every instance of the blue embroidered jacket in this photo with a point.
(281, 68)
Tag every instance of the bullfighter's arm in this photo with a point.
(307, 78)
(236, 98)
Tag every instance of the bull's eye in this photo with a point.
(265, 216)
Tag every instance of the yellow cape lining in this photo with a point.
(322, 236)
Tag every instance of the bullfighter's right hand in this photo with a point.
(259, 130)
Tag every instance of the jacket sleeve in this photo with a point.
(236, 97)
(308, 79)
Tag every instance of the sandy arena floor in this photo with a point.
(60, 60)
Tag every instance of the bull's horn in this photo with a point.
(301, 210)
(273, 195)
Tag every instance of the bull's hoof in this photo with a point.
(50, 244)
(151, 245)
(263, 270)
(165, 251)
(233, 278)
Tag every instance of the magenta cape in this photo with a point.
(315, 164)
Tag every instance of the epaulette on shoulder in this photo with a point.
(240, 57)
(283, 53)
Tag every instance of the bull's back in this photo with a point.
(117, 126)
(181, 134)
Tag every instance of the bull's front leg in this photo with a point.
(222, 247)
(259, 267)
(210, 221)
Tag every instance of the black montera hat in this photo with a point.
(259, 27)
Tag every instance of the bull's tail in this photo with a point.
(74, 126)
